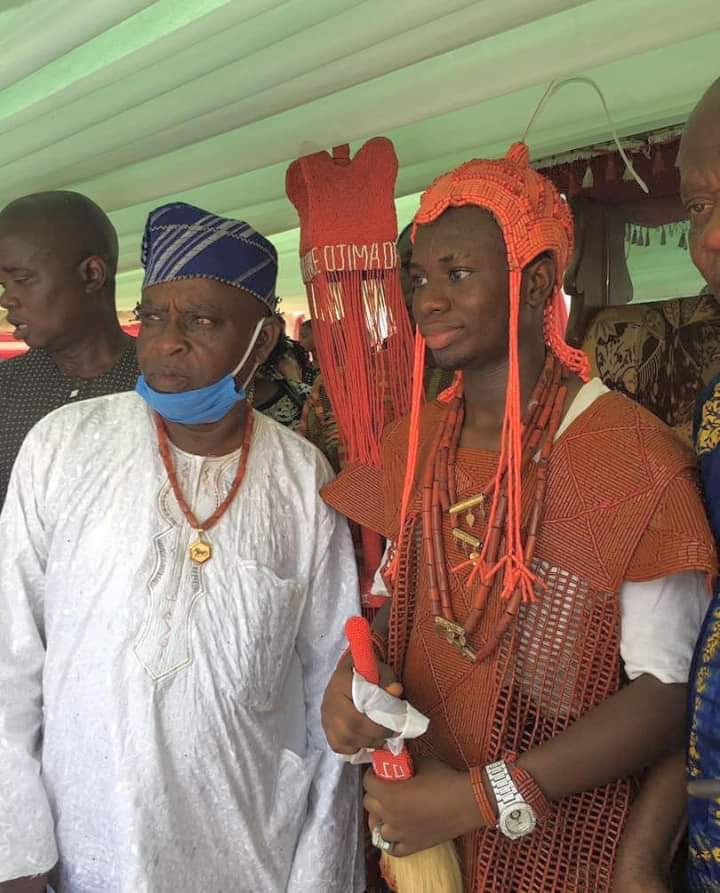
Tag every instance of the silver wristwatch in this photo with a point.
(516, 818)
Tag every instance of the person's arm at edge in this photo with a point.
(654, 830)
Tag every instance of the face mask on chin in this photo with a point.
(201, 406)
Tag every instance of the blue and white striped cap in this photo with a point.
(185, 242)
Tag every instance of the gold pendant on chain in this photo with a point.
(200, 551)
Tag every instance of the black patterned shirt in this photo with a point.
(32, 386)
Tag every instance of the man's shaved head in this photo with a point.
(699, 163)
(65, 221)
(702, 131)
(58, 261)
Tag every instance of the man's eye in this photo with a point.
(417, 281)
(697, 209)
(144, 315)
(203, 321)
(458, 275)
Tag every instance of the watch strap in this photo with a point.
(516, 817)
(502, 784)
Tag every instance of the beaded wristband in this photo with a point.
(529, 789)
(488, 812)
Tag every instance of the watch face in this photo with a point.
(517, 821)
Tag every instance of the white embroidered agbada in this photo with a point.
(159, 720)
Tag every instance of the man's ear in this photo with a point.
(539, 281)
(94, 274)
(267, 339)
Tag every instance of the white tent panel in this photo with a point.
(138, 103)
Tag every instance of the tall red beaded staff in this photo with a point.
(364, 341)
(363, 335)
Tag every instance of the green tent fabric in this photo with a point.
(137, 103)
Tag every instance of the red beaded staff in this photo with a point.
(361, 327)
(436, 870)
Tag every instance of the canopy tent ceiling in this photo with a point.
(137, 103)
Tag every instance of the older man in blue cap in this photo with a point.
(173, 593)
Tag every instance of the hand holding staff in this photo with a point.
(436, 870)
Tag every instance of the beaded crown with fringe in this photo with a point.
(534, 219)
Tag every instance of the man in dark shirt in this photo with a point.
(58, 260)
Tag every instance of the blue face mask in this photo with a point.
(202, 405)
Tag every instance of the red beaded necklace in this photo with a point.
(201, 551)
(540, 425)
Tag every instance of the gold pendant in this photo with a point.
(467, 538)
(467, 506)
(200, 551)
(455, 635)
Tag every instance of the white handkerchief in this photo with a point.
(388, 711)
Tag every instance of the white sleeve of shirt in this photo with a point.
(27, 836)
(378, 585)
(660, 625)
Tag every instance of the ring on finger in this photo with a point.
(379, 841)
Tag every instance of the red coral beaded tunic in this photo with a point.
(605, 520)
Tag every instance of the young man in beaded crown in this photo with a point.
(167, 634)
(547, 581)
